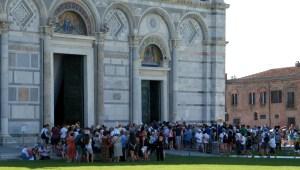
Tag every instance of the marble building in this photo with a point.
(110, 61)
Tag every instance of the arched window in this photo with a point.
(70, 23)
(152, 56)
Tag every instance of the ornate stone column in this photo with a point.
(175, 45)
(4, 26)
(100, 77)
(48, 112)
(136, 89)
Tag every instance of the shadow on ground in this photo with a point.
(171, 160)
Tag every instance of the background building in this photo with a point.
(103, 61)
(266, 98)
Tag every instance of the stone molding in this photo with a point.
(191, 3)
(159, 42)
(175, 43)
(47, 30)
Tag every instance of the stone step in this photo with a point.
(8, 156)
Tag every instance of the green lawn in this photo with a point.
(172, 163)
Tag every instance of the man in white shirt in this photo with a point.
(63, 134)
(199, 140)
(206, 138)
(272, 144)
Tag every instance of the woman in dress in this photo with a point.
(116, 140)
(71, 148)
(105, 148)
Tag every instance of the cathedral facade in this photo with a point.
(110, 61)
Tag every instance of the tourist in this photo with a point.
(132, 146)
(106, 145)
(45, 135)
(71, 147)
(124, 141)
(160, 148)
(199, 140)
(28, 153)
(63, 134)
(117, 147)
(88, 147)
(55, 137)
(272, 144)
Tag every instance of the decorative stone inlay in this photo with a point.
(138, 11)
(175, 17)
(22, 14)
(101, 3)
(153, 23)
(189, 31)
(117, 24)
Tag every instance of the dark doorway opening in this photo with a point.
(68, 89)
(151, 101)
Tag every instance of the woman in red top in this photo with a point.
(71, 148)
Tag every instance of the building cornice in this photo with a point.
(212, 5)
(188, 3)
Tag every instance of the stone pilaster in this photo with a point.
(175, 45)
(100, 77)
(135, 89)
(48, 112)
(4, 27)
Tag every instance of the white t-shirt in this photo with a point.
(205, 138)
(45, 131)
(199, 137)
(63, 133)
(25, 151)
(243, 141)
(272, 142)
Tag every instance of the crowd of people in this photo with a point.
(138, 142)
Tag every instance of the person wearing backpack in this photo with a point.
(45, 135)
(88, 150)
(265, 142)
(79, 146)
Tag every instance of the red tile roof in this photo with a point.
(275, 73)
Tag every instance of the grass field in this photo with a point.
(172, 163)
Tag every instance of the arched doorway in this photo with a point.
(151, 89)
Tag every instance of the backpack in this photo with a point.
(225, 138)
(43, 135)
(78, 140)
(86, 139)
(266, 138)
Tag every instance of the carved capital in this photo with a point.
(134, 41)
(4, 26)
(47, 30)
(100, 37)
(175, 43)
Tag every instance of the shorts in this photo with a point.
(89, 150)
(46, 140)
(54, 141)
